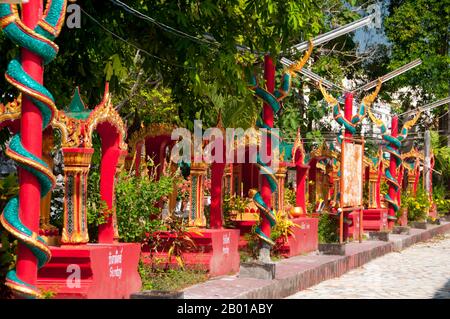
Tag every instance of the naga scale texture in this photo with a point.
(274, 100)
(349, 125)
(39, 41)
(393, 148)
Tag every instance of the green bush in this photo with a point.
(440, 195)
(232, 205)
(95, 205)
(136, 199)
(328, 228)
(170, 279)
(418, 206)
(290, 197)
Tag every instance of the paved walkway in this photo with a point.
(421, 271)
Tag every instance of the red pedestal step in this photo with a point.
(92, 271)
(374, 219)
(305, 237)
(216, 250)
(304, 240)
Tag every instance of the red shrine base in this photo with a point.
(245, 227)
(92, 271)
(403, 220)
(375, 219)
(305, 237)
(433, 213)
(216, 250)
(304, 240)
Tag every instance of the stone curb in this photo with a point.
(301, 272)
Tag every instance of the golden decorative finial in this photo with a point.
(374, 119)
(413, 121)
(328, 97)
(368, 100)
(298, 145)
(299, 64)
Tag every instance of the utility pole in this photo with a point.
(427, 166)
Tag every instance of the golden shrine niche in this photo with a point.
(412, 161)
(76, 124)
(323, 180)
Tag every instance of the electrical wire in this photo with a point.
(131, 44)
(161, 25)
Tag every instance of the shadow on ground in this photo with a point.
(443, 292)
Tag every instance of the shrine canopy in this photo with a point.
(77, 123)
(77, 109)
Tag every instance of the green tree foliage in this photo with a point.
(136, 205)
(420, 29)
(8, 188)
(185, 64)
(441, 158)
(335, 60)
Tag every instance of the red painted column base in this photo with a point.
(216, 252)
(374, 219)
(305, 238)
(107, 271)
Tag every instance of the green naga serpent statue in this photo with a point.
(393, 148)
(40, 42)
(349, 125)
(274, 100)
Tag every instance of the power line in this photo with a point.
(131, 44)
(161, 25)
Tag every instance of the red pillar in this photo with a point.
(31, 134)
(348, 114)
(268, 118)
(300, 195)
(216, 220)
(393, 170)
(416, 180)
(400, 183)
(217, 170)
(378, 184)
(110, 157)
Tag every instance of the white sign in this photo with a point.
(115, 264)
(351, 175)
(226, 241)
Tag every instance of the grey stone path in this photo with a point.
(421, 271)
